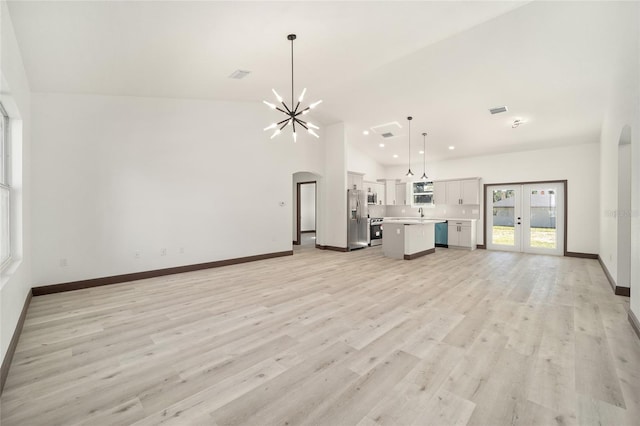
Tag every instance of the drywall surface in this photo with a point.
(125, 184)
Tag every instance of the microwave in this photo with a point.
(372, 198)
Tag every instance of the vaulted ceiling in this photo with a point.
(444, 63)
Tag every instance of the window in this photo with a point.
(5, 190)
(422, 193)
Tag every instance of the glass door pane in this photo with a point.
(503, 212)
(543, 218)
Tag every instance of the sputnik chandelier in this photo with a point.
(294, 111)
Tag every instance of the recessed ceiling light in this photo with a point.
(366, 133)
(421, 152)
(381, 145)
(451, 147)
(395, 155)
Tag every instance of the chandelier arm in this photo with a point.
(287, 108)
(286, 119)
(295, 110)
(285, 124)
(283, 111)
(302, 112)
(300, 122)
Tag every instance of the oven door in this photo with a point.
(376, 234)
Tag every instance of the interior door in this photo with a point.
(526, 218)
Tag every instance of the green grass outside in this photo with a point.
(540, 237)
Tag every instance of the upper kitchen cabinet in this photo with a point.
(464, 191)
(401, 194)
(355, 180)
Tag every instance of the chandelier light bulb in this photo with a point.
(312, 126)
(272, 126)
(270, 105)
(302, 94)
(295, 136)
(313, 133)
(278, 97)
(315, 104)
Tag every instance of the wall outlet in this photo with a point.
(136, 255)
(163, 252)
(63, 262)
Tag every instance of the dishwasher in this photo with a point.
(442, 234)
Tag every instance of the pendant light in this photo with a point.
(424, 157)
(409, 173)
(294, 111)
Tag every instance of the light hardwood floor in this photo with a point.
(326, 338)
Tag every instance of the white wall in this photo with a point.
(622, 110)
(578, 164)
(15, 282)
(358, 161)
(120, 177)
(308, 207)
(334, 222)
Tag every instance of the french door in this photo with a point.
(526, 217)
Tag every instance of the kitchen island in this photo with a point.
(409, 238)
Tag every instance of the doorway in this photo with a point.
(306, 218)
(526, 217)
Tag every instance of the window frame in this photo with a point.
(5, 181)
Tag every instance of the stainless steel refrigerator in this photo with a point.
(357, 219)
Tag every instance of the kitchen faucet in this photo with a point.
(421, 212)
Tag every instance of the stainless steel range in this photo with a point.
(374, 231)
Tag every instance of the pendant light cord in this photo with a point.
(292, 104)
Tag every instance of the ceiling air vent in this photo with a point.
(498, 110)
(239, 74)
(388, 130)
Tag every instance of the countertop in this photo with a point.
(414, 220)
(411, 221)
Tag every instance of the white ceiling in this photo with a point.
(445, 63)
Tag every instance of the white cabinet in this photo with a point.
(390, 192)
(355, 179)
(465, 191)
(401, 194)
(439, 193)
(380, 191)
(462, 233)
